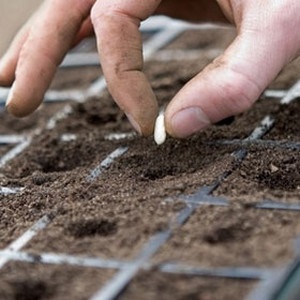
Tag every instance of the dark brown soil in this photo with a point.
(276, 177)
(287, 123)
(146, 178)
(11, 125)
(154, 285)
(234, 236)
(139, 194)
(20, 281)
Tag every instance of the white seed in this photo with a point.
(159, 129)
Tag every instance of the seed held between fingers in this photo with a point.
(159, 129)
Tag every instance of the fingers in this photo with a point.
(46, 42)
(234, 81)
(116, 24)
(8, 62)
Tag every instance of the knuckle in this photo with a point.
(99, 12)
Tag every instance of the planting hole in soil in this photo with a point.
(91, 210)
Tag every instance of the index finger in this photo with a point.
(116, 24)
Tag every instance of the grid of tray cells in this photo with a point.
(153, 261)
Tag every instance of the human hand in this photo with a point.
(267, 40)
(31, 61)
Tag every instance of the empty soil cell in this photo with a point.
(265, 174)
(233, 236)
(287, 123)
(37, 282)
(154, 285)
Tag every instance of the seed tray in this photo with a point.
(83, 195)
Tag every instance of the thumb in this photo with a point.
(230, 84)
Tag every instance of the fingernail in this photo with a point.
(10, 106)
(188, 121)
(134, 124)
(10, 95)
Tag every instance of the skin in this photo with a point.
(268, 38)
